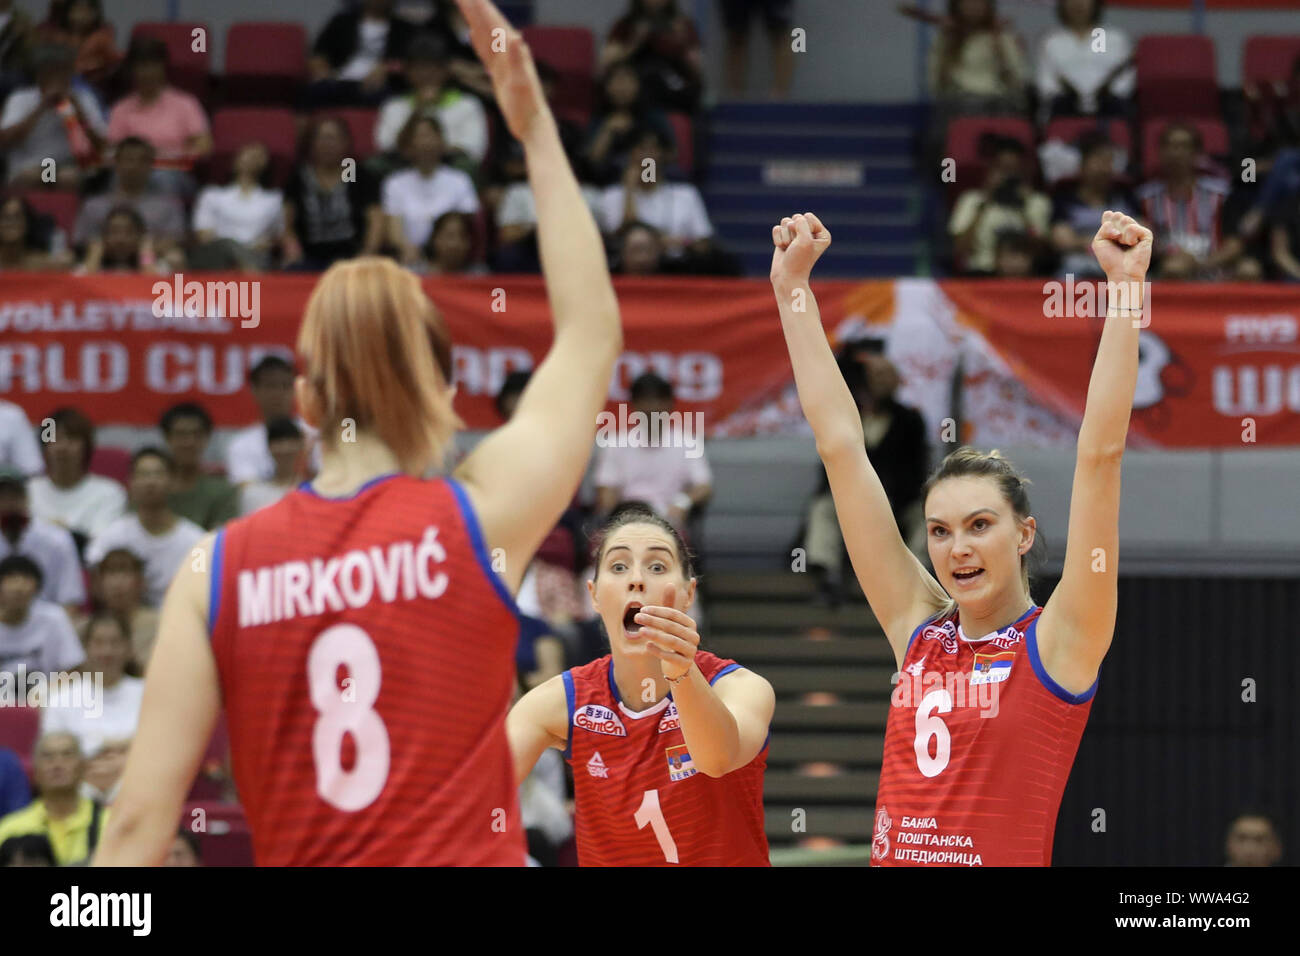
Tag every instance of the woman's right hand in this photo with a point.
(800, 241)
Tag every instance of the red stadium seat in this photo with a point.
(234, 848)
(210, 784)
(684, 133)
(19, 728)
(1268, 59)
(112, 463)
(232, 128)
(963, 141)
(187, 69)
(61, 206)
(1068, 129)
(1214, 137)
(571, 52)
(361, 126)
(1175, 76)
(266, 63)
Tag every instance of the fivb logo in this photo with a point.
(599, 720)
(241, 300)
(656, 430)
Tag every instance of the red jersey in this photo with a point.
(979, 744)
(366, 655)
(639, 799)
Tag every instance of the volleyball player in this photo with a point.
(994, 691)
(667, 742)
(355, 631)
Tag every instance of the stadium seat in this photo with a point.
(266, 63)
(684, 133)
(234, 127)
(571, 51)
(19, 728)
(1175, 76)
(1268, 59)
(112, 463)
(361, 126)
(187, 68)
(963, 142)
(234, 848)
(1068, 129)
(1214, 136)
(60, 206)
(211, 780)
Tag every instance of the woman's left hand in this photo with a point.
(670, 636)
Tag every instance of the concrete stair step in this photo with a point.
(850, 823)
(861, 681)
(798, 789)
(850, 750)
(859, 716)
(761, 653)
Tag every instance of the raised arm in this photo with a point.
(1078, 621)
(901, 592)
(523, 475)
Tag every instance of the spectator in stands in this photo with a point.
(14, 792)
(976, 62)
(80, 24)
(111, 718)
(162, 538)
(1252, 840)
(248, 455)
(663, 473)
(415, 197)
(125, 246)
(68, 495)
(328, 217)
(52, 548)
(619, 120)
(118, 584)
(640, 250)
(21, 246)
(170, 120)
(449, 24)
(184, 849)
(351, 59)
(52, 131)
(516, 216)
(460, 114)
(206, 499)
(896, 448)
(16, 35)
(1007, 201)
(675, 209)
(1077, 210)
(1015, 256)
(162, 212)
(450, 250)
(1273, 113)
(19, 450)
(70, 821)
(664, 46)
(1184, 209)
(35, 635)
(241, 224)
(1284, 243)
(1076, 74)
(284, 439)
(32, 849)
(737, 19)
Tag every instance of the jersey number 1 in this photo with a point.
(650, 812)
(349, 712)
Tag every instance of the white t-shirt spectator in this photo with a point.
(89, 507)
(675, 209)
(1063, 56)
(44, 642)
(162, 553)
(419, 200)
(519, 207)
(371, 42)
(118, 719)
(232, 213)
(55, 553)
(18, 447)
(655, 474)
(256, 495)
(248, 456)
(460, 114)
(48, 138)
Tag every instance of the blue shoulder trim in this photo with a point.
(723, 673)
(306, 486)
(480, 549)
(569, 696)
(1031, 641)
(214, 581)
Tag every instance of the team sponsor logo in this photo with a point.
(880, 838)
(599, 720)
(669, 720)
(945, 634)
(679, 763)
(596, 767)
(992, 668)
(1008, 637)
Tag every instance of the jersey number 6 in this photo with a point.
(928, 725)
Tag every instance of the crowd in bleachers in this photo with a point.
(1041, 146)
(378, 136)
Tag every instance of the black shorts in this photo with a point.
(738, 14)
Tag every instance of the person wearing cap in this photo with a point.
(50, 547)
(58, 119)
(460, 114)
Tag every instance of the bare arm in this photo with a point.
(182, 698)
(901, 592)
(1078, 621)
(537, 721)
(523, 475)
